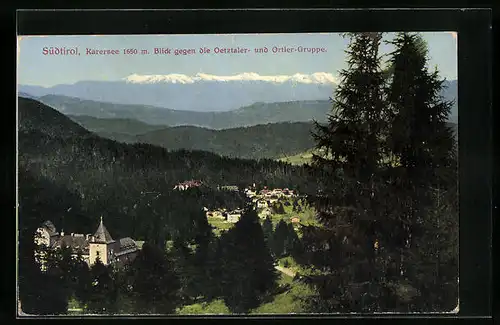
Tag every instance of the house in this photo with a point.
(264, 192)
(233, 216)
(265, 213)
(277, 192)
(188, 184)
(232, 188)
(249, 193)
(262, 204)
(90, 247)
(215, 214)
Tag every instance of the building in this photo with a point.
(250, 193)
(265, 213)
(99, 245)
(215, 214)
(261, 204)
(232, 188)
(188, 184)
(233, 216)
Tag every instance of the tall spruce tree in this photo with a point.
(267, 228)
(350, 187)
(424, 175)
(154, 283)
(102, 293)
(280, 239)
(247, 273)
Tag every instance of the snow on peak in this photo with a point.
(314, 78)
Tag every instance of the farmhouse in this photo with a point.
(99, 245)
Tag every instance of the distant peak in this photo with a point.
(314, 78)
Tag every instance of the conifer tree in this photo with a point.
(294, 244)
(280, 238)
(154, 284)
(350, 186)
(267, 228)
(423, 150)
(102, 290)
(247, 273)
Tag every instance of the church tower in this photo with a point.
(101, 245)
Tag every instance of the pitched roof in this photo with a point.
(102, 235)
(127, 243)
(50, 227)
(74, 242)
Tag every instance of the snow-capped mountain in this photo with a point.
(201, 92)
(314, 78)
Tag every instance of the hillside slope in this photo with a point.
(258, 113)
(256, 142)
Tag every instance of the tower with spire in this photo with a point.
(101, 245)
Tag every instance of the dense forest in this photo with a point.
(383, 183)
(253, 142)
(272, 140)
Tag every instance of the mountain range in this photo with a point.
(199, 93)
(257, 113)
(206, 93)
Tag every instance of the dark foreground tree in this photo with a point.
(350, 182)
(284, 240)
(103, 292)
(247, 273)
(154, 285)
(40, 292)
(424, 175)
(294, 243)
(279, 239)
(152, 281)
(267, 228)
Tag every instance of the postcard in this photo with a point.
(237, 174)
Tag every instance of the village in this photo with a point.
(277, 204)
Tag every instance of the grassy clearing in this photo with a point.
(287, 302)
(219, 225)
(298, 159)
(306, 216)
(215, 307)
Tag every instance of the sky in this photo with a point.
(35, 68)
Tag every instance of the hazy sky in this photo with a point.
(34, 68)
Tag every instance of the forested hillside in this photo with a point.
(253, 142)
(109, 177)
